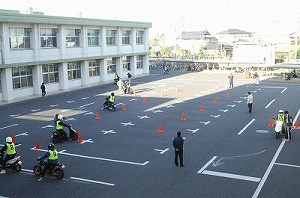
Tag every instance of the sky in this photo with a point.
(265, 17)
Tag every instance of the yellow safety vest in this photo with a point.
(112, 98)
(280, 117)
(58, 126)
(53, 155)
(11, 149)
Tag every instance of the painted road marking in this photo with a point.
(9, 126)
(54, 105)
(157, 111)
(246, 127)
(215, 116)
(87, 141)
(87, 104)
(238, 101)
(132, 99)
(89, 113)
(290, 165)
(14, 115)
(233, 176)
(92, 181)
(106, 132)
(70, 101)
(162, 151)
(193, 131)
(262, 131)
(85, 98)
(35, 110)
(48, 126)
(128, 123)
(205, 123)
(223, 110)
(169, 106)
(25, 134)
(231, 106)
(269, 103)
(143, 117)
(207, 164)
(98, 158)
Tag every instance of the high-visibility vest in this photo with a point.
(280, 117)
(11, 149)
(58, 126)
(53, 155)
(112, 98)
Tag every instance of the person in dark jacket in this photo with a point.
(43, 88)
(178, 146)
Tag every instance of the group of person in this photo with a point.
(287, 124)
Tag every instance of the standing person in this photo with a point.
(230, 78)
(250, 101)
(43, 88)
(120, 86)
(288, 125)
(129, 76)
(178, 146)
(10, 150)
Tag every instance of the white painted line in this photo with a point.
(16, 115)
(215, 116)
(262, 131)
(27, 170)
(98, 158)
(269, 103)
(143, 117)
(233, 176)
(193, 131)
(283, 90)
(246, 127)
(92, 181)
(87, 105)
(264, 178)
(71, 101)
(9, 126)
(128, 123)
(290, 165)
(162, 151)
(88, 141)
(48, 126)
(25, 134)
(237, 101)
(54, 105)
(223, 110)
(35, 110)
(207, 164)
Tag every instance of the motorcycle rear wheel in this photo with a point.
(37, 169)
(17, 167)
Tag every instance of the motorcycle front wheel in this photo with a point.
(58, 173)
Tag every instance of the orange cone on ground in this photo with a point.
(160, 128)
(37, 145)
(80, 139)
(271, 122)
(296, 125)
(216, 101)
(228, 95)
(183, 117)
(201, 108)
(98, 116)
(13, 137)
(145, 100)
(123, 107)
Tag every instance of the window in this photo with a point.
(139, 37)
(22, 77)
(50, 73)
(74, 70)
(94, 68)
(19, 38)
(139, 62)
(93, 37)
(111, 37)
(48, 37)
(111, 65)
(126, 37)
(72, 37)
(126, 63)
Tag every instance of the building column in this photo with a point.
(103, 70)
(133, 65)
(61, 41)
(37, 78)
(146, 64)
(35, 41)
(63, 76)
(119, 67)
(133, 39)
(85, 73)
(7, 87)
(103, 40)
(119, 40)
(84, 40)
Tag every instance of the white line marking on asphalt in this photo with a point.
(246, 127)
(193, 131)
(54, 105)
(223, 110)
(106, 132)
(233, 176)
(14, 115)
(231, 106)
(27, 170)
(162, 151)
(237, 101)
(262, 131)
(89, 113)
(9, 126)
(85, 98)
(215, 116)
(132, 99)
(269, 103)
(128, 123)
(87, 141)
(25, 134)
(290, 165)
(71, 101)
(87, 105)
(205, 123)
(98, 158)
(157, 111)
(207, 164)
(169, 106)
(92, 181)
(143, 117)
(283, 90)
(48, 126)
(264, 178)
(35, 110)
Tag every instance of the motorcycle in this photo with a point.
(111, 106)
(58, 137)
(13, 164)
(55, 170)
(279, 128)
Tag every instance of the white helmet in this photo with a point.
(280, 111)
(8, 140)
(60, 117)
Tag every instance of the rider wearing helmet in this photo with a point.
(10, 150)
(280, 116)
(109, 100)
(59, 125)
(52, 156)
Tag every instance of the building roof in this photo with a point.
(234, 31)
(194, 35)
(13, 16)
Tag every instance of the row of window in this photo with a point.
(22, 76)
(19, 38)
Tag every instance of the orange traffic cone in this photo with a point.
(216, 101)
(37, 145)
(296, 125)
(183, 117)
(271, 122)
(123, 107)
(98, 116)
(80, 139)
(201, 108)
(228, 95)
(13, 137)
(145, 100)
(160, 128)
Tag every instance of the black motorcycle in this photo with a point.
(58, 137)
(56, 170)
(110, 106)
(13, 164)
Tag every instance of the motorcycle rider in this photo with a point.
(110, 100)
(280, 118)
(59, 126)
(117, 78)
(10, 150)
(52, 156)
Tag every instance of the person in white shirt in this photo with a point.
(250, 101)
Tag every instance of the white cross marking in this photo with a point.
(231, 106)
(223, 110)
(214, 116)
(157, 111)
(129, 123)
(106, 132)
(162, 151)
(205, 123)
(193, 131)
(142, 117)
(88, 140)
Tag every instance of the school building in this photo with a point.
(67, 52)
